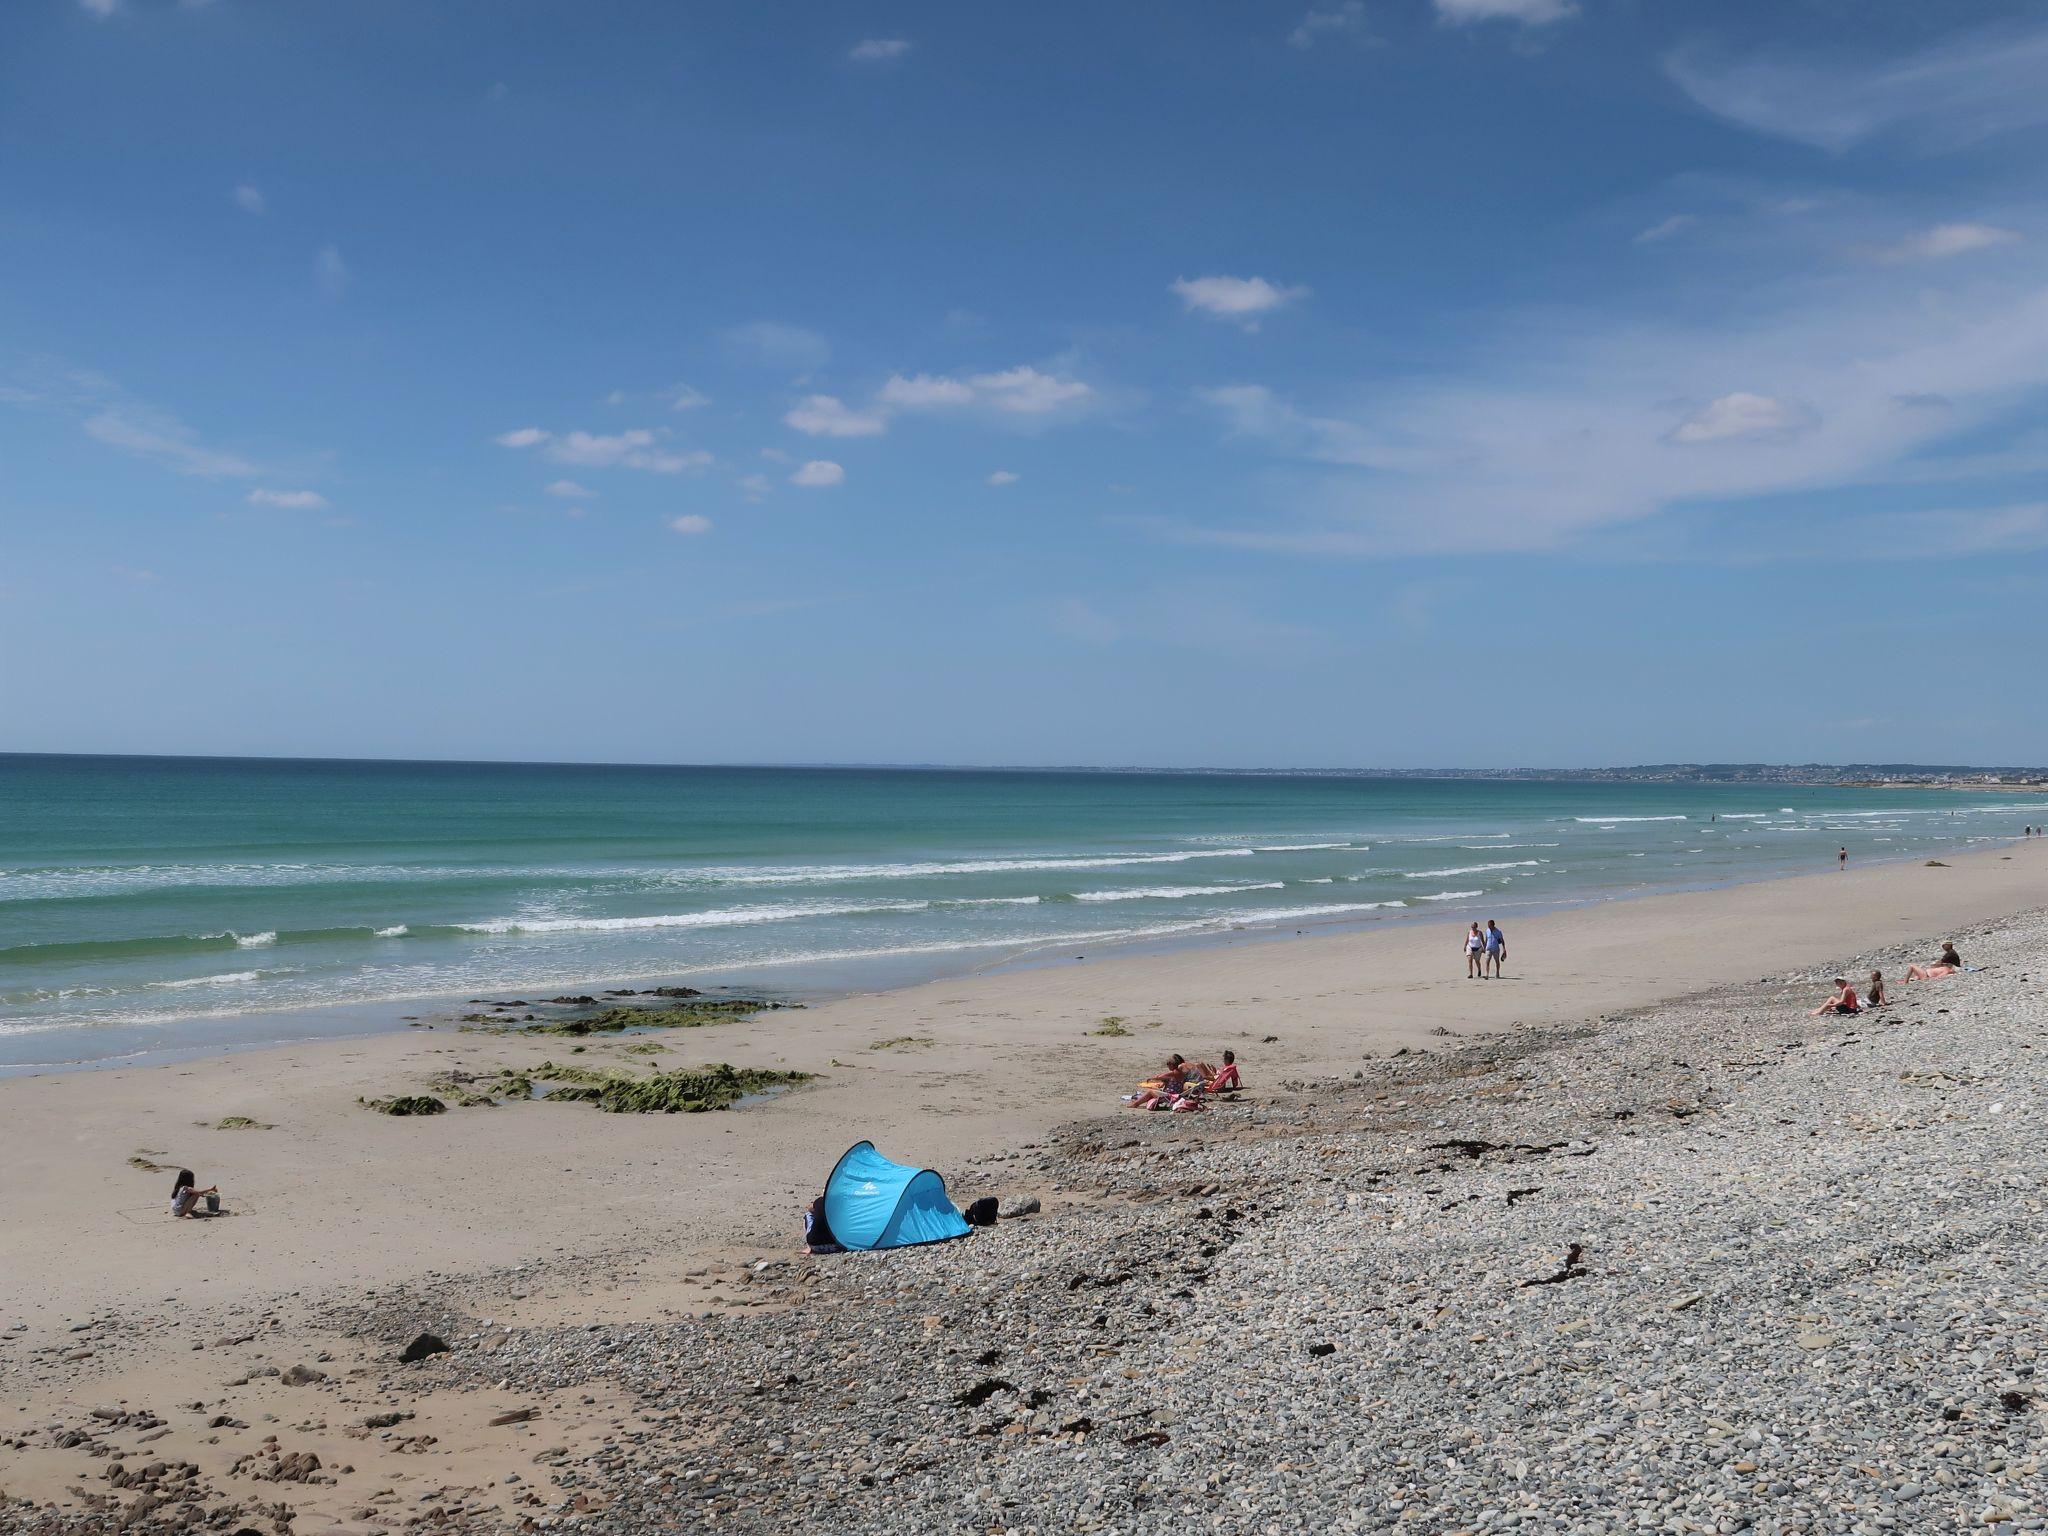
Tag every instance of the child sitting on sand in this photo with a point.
(1843, 1001)
(1226, 1081)
(1873, 995)
(186, 1195)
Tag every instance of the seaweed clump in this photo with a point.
(406, 1104)
(689, 1013)
(685, 1091)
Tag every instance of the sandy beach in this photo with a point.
(539, 1216)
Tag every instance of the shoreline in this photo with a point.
(540, 1217)
(374, 1017)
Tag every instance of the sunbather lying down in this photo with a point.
(1947, 965)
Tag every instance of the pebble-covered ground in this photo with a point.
(1716, 1267)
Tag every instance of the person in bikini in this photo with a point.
(1949, 963)
(1475, 954)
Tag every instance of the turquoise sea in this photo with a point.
(151, 904)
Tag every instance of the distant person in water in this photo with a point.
(1841, 858)
(1496, 946)
(186, 1195)
(1843, 1000)
(1475, 954)
(1947, 965)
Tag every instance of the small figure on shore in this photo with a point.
(1226, 1080)
(1496, 946)
(1947, 965)
(186, 1195)
(1873, 994)
(1843, 1000)
(1475, 951)
(1841, 858)
(818, 1236)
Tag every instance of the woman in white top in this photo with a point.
(1475, 953)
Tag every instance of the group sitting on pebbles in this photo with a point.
(1181, 1087)
(1843, 998)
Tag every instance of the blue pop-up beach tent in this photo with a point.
(871, 1202)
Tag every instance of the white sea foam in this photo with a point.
(1450, 895)
(1745, 815)
(1492, 847)
(1298, 847)
(727, 917)
(821, 874)
(1473, 869)
(395, 931)
(1297, 914)
(230, 978)
(992, 901)
(256, 940)
(1319, 880)
(1175, 892)
(1608, 821)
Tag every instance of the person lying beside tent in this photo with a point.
(1947, 965)
(818, 1231)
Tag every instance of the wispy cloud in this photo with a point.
(817, 474)
(774, 345)
(1659, 232)
(691, 523)
(1347, 21)
(681, 397)
(158, 435)
(1021, 391)
(1243, 299)
(1946, 240)
(1530, 13)
(290, 501)
(331, 275)
(248, 198)
(100, 8)
(638, 448)
(1002, 477)
(829, 416)
(569, 490)
(1970, 87)
(878, 50)
(1584, 423)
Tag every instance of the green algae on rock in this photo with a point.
(683, 1091)
(406, 1104)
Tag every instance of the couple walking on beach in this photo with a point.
(1485, 949)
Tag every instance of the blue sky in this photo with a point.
(1405, 382)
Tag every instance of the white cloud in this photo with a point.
(292, 501)
(569, 490)
(924, 390)
(1344, 20)
(1027, 391)
(1004, 477)
(249, 198)
(1234, 298)
(1974, 86)
(755, 487)
(784, 348)
(818, 472)
(1945, 240)
(637, 448)
(828, 416)
(99, 7)
(1530, 13)
(330, 273)
(879, 50)
(1741, 415)
(690, 522)
(157, 435)
(1677, 224)
(681, 397)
